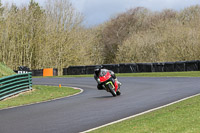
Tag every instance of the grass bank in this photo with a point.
(5, 71)
(181, 117)
(38, 94)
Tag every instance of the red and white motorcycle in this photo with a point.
(108, 82)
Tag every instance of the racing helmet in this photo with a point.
(98, 70)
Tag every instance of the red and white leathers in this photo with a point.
(100, 72)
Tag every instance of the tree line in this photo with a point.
(54, 36)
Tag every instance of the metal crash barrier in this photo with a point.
(15, 84)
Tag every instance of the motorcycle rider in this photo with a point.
(100, 70)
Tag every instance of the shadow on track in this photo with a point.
(104, 97)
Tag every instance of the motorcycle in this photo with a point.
(109, 83)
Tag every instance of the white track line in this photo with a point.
(81, 91)
(139, 114)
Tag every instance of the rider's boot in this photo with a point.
(118, 89)
(118, 82)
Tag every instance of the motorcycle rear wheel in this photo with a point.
(118, 92)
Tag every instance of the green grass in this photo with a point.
(39, 94)
(153, 74)
(66, 76)
(183, 117)
(5, 71)
(162, 74)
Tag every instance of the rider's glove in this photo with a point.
(98, 80)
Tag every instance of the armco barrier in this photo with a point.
(15, 84)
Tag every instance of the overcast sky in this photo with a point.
(98, 11)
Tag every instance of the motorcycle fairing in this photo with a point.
(105, 77)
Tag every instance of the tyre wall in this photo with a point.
(137, 67)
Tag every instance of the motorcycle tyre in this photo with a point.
(118, 93)
(111, 90)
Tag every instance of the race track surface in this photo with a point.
(93, 108)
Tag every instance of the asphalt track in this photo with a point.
(93, 108)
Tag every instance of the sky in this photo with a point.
(99, 11)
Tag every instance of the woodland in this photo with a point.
(54, 36)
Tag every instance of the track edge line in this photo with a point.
(81, 91)
(148, 111)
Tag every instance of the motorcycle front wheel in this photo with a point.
(112, 91)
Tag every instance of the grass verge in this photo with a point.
(181, 117)
(39, 94)
(162, 74)
(150, 74)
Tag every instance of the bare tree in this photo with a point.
(62, 24)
